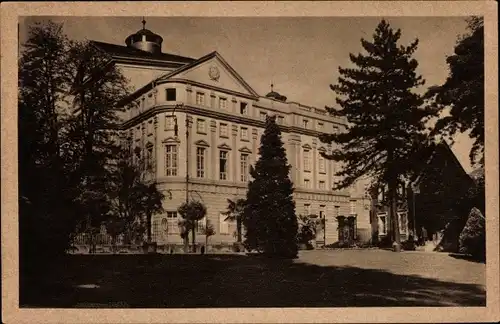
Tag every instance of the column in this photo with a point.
(189, 123)
(234, 168)
(233, 106)
(155, 148)
(189, 94)
(314, 161)
(331, 168)
(212, 155)
(212, 100)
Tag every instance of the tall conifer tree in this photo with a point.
(269, 214)
(385, 119)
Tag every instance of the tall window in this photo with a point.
(223, 165)
(243, 108)
(223, 130)
(337, 211)
(200, 98)
(223, 224)
(322, 211)
(305, 123)
(307, 184)
(223, 103)
(322, 185)
(307, 209)
(307, 160)
(244, 167)
(149, 158)
(169, 122)
(352, 205)
(172, 222)
(200, 162)
(200, 126)
(244, 133)
(171, 94)
(262, 115)
(200, 225)
(156, 231)
(321, 164)
(171, 160)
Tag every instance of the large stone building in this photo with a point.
(198, 124)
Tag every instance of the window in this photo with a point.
(169, 122)
(320, 126)
(200, 126)
(305, 123)
(200, 98)
(156, 231)
(352, 205)
(307, 183)
(223, 130)
(223, 224)
(321, 164)
(244, 167)
(200, 162)
(280, 120)
(200, 225)
(322, 185)
(382, 224)
(171, 94)
(337, 211)
(244, 133)
(172, 223)
(171, 160)
(223, 103)
(243, 108)
(307, 160)
(149, 158)
(223, 165)
(403, 222)
(262, 115)
(321, 211)
(307, 209)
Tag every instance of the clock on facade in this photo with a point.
(214, 73)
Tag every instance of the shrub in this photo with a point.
(472, 240)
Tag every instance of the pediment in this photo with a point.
(224, 146)
(202, 143)
(245, 149)
(171, 140)
(213, 71)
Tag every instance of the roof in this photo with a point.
(131, 52)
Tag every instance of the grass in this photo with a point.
(316, 279)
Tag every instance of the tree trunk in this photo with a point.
(194, 236)
(394, 215)
(148, 225)
(238, 229)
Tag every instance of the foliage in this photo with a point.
(234, 212)
(269, 214)
(46, 194)
(308, 228)
(463, 90)
(208, 230)
(473, 237)
(386, 116)
(191, 212)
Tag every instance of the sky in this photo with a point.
(299, 55)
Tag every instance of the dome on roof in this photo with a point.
(145, 40)
(275, 95)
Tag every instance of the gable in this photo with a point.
(213, 71)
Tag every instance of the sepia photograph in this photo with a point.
(229, 162)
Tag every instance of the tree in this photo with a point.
(150, 201)
(234, 212)
(386, 121)
(473, 239)
(45, 192)
(208, 230)
(269, 214)
(98, 90)
(192, 212)
(463, 90)
(308, 228)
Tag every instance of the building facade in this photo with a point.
(197, 125)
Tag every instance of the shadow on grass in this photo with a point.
(173, 281)
(466, 257)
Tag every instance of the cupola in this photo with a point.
(145, 40)
(275, 95)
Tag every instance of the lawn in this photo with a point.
(315, 279)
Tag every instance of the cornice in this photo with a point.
(208, 86)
